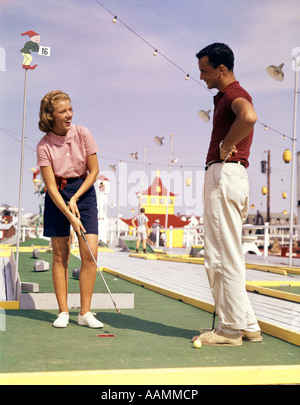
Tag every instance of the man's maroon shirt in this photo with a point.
(222, 121)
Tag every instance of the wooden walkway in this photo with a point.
(190, 280)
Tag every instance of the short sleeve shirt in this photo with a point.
(222, 121)
(141, 219)
(67, 155)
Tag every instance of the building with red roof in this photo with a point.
(155, 201)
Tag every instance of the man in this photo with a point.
(226, 189)
(142, 229)
(154, 230)
(259, 220)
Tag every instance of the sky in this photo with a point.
(126, 96)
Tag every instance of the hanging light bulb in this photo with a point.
(187, 77)
(287, 156)
(264, 190)
(155, 52)
(284, 137)
(265, 127)
(284, 194)
(115, 19)
(188, 181)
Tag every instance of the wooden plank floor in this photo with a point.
(191, 280)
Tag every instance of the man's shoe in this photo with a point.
(252, 336)
(89, 320)
(220, 338)
(62, 320)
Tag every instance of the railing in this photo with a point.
(193, 235)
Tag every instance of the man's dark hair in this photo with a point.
(218, 54)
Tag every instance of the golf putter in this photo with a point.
(100, 272)
(214, 319)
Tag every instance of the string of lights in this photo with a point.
(17, 137)
(187, 75)
(156, 52)
(266, 127)
(149, 164)
(155, 49)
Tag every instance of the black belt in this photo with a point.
(222, 161)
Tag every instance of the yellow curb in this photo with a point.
(252, 375)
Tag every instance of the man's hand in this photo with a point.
(227, 154)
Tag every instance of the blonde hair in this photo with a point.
(48, 102)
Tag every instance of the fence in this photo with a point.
(261, 235)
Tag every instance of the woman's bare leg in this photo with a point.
(61, 254)
(88, 271)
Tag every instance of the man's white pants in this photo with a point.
(226, 191)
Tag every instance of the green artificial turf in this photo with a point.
(44, 278)
(35, 242)
(288, 289)
(155, 334)
(131, 244)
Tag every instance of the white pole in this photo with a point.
(266, 240)
(143, 179)
(171, 237)
(118, 199)
(21, 172)
(168, 191)
(297, 65)
(144, 166)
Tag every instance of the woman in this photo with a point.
(67, 158)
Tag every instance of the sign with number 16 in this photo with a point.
(44, 50)
(33, 46)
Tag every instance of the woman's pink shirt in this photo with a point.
(67, 155)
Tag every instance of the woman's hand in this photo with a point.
(72, 205)
(77, 225)
(75, 219)
(70, 210)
